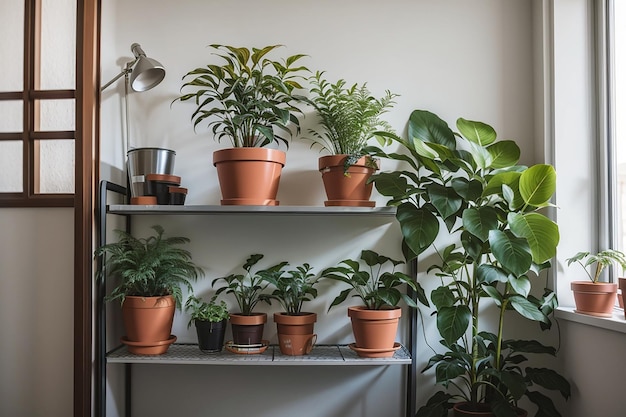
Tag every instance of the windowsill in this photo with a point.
(616, 323)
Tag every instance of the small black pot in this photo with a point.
(210, 335)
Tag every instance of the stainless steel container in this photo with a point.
(144, 161)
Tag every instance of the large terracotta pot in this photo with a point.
(482, 410)
(295, 333)
(248, 329)
(374, 330)
(249, 176)
(148, 324)
(594, 299)
(346, 190)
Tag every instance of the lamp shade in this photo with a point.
(146, 74)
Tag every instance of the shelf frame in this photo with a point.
(127, 209)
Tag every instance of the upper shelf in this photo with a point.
(280, 210)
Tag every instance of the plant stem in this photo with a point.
(473, 370)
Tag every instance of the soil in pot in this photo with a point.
(295, 333)
(346, 190)
(210, 335)
(249, 176)
(594, 299)
(248, 330)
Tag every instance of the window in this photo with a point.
(37, 102)
(618, 49)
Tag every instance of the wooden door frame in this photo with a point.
(87, 177)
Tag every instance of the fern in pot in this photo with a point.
(349, 117)
(151, 274)
(248, 98)
(292, 289)
(468, 188)
(373, 279)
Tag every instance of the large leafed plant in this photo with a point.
(467, 189)
(246, 97)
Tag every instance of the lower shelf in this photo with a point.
(189, 354)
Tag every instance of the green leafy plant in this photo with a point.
(376, 287)
(246, 96)
(349, 117)
(148, 267)
(500, 241)
(206, 311)
(248, 288)
(602, 259)
(292, 288)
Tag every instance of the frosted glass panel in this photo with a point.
(12, 47)
(58, 44)
(56, 166)
(11, 175)
(11, 112)
(56, 115)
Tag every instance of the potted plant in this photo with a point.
(349, 116)
(295, 328)
(210, 320)
(496, 243)
(247, 98)
(374, 323)
(151, 273)
(247, 288)
(593, 297)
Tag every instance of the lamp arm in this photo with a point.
(127, 70)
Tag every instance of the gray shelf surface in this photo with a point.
(189, 354)
(269, 210)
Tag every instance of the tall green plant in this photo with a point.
(349, 117)
(148, 267)
(246, 96)
(248, 288)
(468, 189)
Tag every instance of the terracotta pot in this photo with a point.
(210, 335)
(480, 410)
(148, 324)
(295, 333)
(594, 299)
(249, 176)
(374, 330)
(346, 190)
(248, 330)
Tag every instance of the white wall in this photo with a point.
(36, 312)
(454, 57)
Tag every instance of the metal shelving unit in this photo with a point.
(189, 354)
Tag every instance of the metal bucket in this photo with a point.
(144, 161)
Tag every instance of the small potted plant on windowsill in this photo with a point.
(152, 272)
(594, 297)
(349, 116)
(210, 319)
(247, 288)
(295, 328)
(374, 323)
(249, 99)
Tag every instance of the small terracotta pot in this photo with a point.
(346, 190)
(375, 330)
(249, 176)
(295, 333)
(465, 409)
(248, 330)
(148, 323)
(594, 299)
